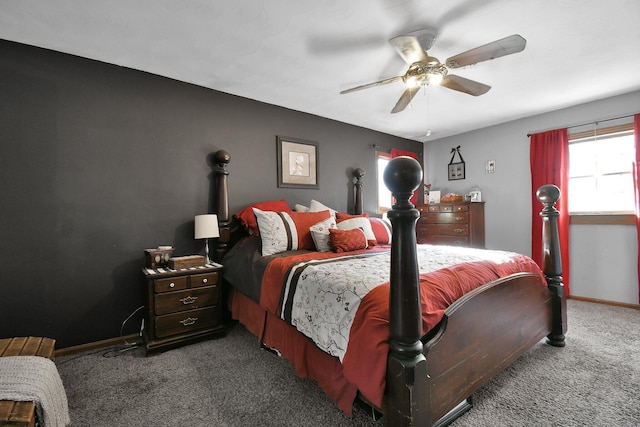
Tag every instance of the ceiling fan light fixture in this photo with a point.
(425, 73)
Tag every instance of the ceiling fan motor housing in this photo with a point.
(425, 73)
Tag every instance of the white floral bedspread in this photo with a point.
(321, 297)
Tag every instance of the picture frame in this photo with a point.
(434, 197)
(456, 171)
(476, 196)
(297, 163)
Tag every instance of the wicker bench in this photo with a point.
(23, 413)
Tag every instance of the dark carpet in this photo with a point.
(593, 381)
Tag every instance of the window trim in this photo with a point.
(386, 155)
(604, 218)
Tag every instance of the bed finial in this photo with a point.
(403, 176)
(548, 195)
(359, 173)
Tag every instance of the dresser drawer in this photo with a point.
(171, 302)
(448, 229)
(205, 279)
(448, 218)
(445, 240)
(448, 208)
(171, 284)
(186, 321)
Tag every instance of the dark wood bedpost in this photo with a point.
(222, 159)
(358, 173)
(548, 195)
(406, 366)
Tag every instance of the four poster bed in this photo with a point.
(412, 330)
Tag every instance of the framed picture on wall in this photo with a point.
(297, 163)
(456, 171)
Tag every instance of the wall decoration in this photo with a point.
(490, 166)
(456, 170)
(297, 163)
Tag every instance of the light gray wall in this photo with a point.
(603, 258)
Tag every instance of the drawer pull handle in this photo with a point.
(171, 285)
(458, 230)
(204, 280)
(189, 321)
(188, 300)
(459, 218)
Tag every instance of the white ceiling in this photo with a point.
(300, 54)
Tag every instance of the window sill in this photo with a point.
(622, 219)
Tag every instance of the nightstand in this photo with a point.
(182, 305)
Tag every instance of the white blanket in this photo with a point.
(321, 297)
(35, 379)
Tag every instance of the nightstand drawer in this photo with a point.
(205, 279)
(171, 284)
(186, 321)
(190, 299)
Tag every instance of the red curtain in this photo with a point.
(636, 184)
(397, 153)
(549, 153)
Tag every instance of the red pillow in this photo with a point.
(347, 240)
(382, 231)
(341, 216)
(248, 218)
(304, 221)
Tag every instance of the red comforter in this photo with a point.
(364, 363)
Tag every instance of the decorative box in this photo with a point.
(177, 263)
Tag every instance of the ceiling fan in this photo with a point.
(425, 70)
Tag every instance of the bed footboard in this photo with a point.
(481, 334)
(464, 353)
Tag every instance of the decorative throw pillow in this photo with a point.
(320, 234)
(340, 216)
(361, 222)
(301, 208)
(248, 218)
(347, 240)
(382, 231)
(316, 206)
(286, 231)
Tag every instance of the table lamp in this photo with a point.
(206, 227)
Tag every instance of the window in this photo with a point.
(600, 179)
(385, 200)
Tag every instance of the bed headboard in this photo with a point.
(230, 229)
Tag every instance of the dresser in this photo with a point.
(182, 305)
(459, 224)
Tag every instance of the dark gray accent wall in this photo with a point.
(99, 162)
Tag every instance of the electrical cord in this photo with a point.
(113, 351)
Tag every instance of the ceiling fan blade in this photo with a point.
(464, 85)
(374, 84)
(412, 47)
(405, 99)
(496, 49)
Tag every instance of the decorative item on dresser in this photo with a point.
(182, 305)
(460, 224)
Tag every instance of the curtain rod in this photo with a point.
(595, 122)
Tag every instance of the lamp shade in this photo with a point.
(206, 226)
